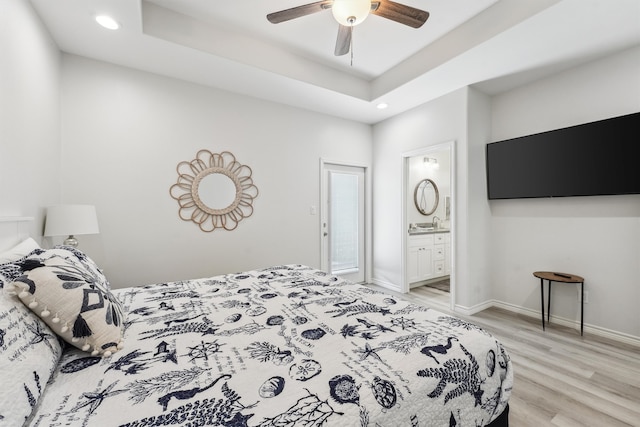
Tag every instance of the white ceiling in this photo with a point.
(380, 44)
(492, 44)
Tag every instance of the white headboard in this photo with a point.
(13, 230)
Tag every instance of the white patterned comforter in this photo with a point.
(285, 346)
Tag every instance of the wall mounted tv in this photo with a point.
(598, 158)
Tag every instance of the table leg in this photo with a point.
(549, 303)
(542, 300)
(581, 308)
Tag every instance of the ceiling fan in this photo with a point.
(349, 13)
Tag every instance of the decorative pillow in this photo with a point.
(10, 270)
(86, 262)
(29, 353)
(75, 302)
(20, 250)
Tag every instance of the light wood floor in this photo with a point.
(561, 378)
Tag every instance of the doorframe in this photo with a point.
(451, 145)
(368, 224)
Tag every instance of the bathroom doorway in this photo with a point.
(428, 223)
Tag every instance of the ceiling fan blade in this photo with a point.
(297, 12)
(401, 13)
(343, 43)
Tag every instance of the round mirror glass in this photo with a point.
(217, 191)
(426, 197)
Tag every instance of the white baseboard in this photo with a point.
(470, 311)
(387, 285)
(591, 329)
(595, 330)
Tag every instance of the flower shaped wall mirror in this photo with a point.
(214, 190)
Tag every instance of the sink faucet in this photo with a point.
(435, 221)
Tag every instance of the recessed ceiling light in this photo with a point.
(107, 22)
(382, 105)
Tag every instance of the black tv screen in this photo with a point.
(598, 158)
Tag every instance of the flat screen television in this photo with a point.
(598, 158)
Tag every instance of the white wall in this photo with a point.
(431, 124)
(125, 131)
(29, 115)
(499, 244)
(473, 289)
(597, 238)
(463, 117)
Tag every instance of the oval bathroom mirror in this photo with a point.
(426, 197)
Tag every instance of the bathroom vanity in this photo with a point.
(429, 254)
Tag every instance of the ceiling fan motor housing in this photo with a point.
(351, 12)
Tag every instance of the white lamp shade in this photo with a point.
(351, 12)
(68, 220)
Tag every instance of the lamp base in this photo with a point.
(71, 241)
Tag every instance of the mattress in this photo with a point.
(283, 346)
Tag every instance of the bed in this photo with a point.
(281, 346)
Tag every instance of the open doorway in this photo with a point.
(428, 223)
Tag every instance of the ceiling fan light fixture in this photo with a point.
(350, 12)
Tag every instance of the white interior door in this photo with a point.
(343, 221)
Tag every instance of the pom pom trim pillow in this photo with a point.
(89, 264)
(75, 302)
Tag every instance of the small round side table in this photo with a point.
(562, 278)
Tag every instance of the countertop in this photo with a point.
(418, 232)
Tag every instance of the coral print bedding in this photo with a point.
(280, 347)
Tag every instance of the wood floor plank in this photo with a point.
(566, 387)
(561, 379)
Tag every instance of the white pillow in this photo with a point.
(20, 250)
(29, 353)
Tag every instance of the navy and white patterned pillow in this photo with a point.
(73, 300)
(10, 270)
(29, 353)
(87, 263)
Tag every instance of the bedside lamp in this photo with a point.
(69, 220)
